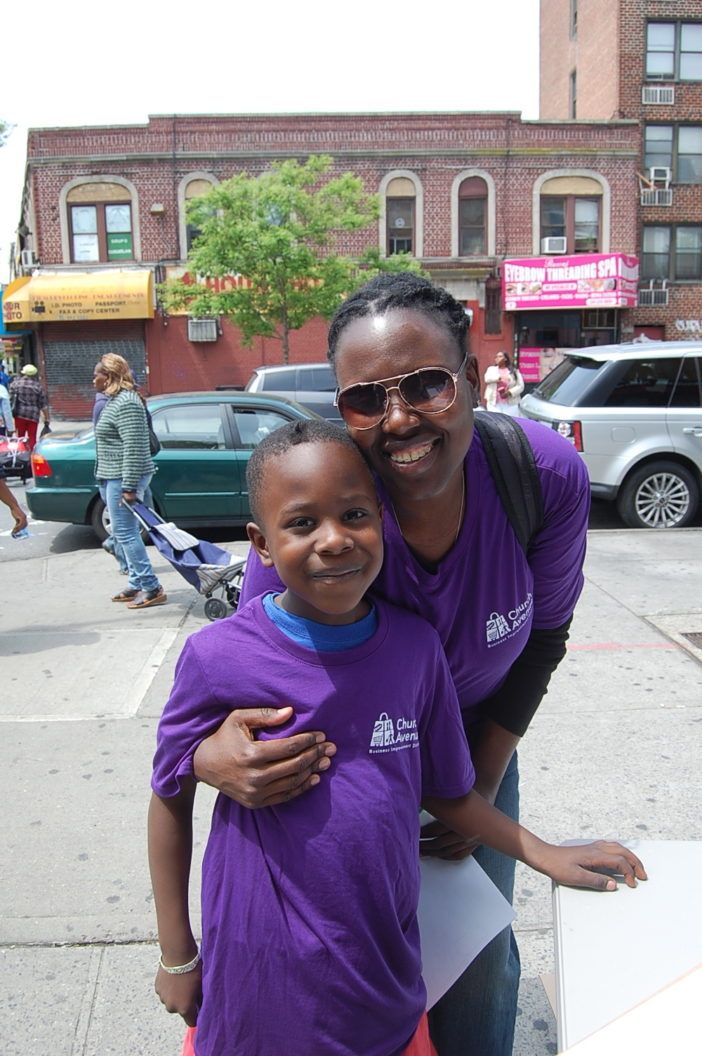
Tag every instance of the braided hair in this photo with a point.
(401, 290)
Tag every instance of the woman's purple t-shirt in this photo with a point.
(310, 940)
(486, 595)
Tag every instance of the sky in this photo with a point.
(117, 65)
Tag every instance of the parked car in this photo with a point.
(311, 384)
(634, 412)
(206, 441)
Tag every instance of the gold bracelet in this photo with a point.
(180, 969)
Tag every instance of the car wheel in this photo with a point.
(659, 495)
(100, 519)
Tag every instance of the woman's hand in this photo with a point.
(129, 497)
(592, 865)
(181, 993)
(261, 773)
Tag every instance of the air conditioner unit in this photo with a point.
(554, 245)
(202, 330)
(659, 174)
(659, 94)
(654, 297)
(28, 258)
(656, 196)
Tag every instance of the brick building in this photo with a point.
(641, 60)
(104, 215)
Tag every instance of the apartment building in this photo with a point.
(641, 60)
(104, 221)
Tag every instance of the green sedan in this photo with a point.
(200, 479)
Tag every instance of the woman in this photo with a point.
(124, 469)
(406, 391)
(503, 386)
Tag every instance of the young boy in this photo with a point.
(310, 941)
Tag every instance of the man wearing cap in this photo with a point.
(28, 403)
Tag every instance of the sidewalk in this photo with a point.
(614, 751)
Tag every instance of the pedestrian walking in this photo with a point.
(29, 404)
(310, 934)
(503, 386)
(124, 469)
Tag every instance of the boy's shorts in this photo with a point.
(420, 1044)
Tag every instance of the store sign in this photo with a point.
(73, 296)
(537, 363)
(585, 280)
(119, 247)
(220, 284)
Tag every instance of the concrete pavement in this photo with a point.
(614, 751)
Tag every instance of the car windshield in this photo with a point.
(568, 381)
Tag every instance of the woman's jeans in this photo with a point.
(477, 1015)
(111, 544)
(126, 532)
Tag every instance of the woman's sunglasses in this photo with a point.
(429, 390)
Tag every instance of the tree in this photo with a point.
(272, 241)
(5, 129)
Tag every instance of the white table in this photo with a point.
(616, 949)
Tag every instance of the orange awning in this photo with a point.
(71, 296)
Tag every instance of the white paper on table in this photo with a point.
(460, 911)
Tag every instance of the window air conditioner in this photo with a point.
(653, 93)
(659, 174)
(654, 296)
(202, 330)
(28, 258)
(656, 196)
(554, 245)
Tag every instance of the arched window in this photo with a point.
(472, 217)
(400, 212)
(473, 214)
(571, 215)
(194, 185)
(100, 221)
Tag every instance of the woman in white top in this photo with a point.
(503, 386)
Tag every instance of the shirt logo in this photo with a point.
(393, 736)
(502, 626)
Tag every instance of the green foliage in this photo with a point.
(5, 130)
(278, 232)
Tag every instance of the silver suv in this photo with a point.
(311, 384)
(634, 412)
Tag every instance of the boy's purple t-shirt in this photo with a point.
(486, 595)
(310, 939)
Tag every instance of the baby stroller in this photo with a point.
(205, 566)
(15, 457)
